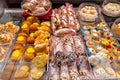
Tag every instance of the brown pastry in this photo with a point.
(29, 53)
(23, 34)
(21, 75)
(25, 28)
(18, 46)
(31, 40)
(45, 23)
(34, 27)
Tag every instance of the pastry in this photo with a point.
(21, 40)
(18, 46)
(44, 28)
(87, 38)
(40, 47)
(16, 55)
(117, 51)
(36, 7)
(34, 27)
(96, 40)
(2, 53)
(116, 30)
(1, 28)
(104, 42)
(37, 74)
(88, 13)
(5, 38)
(26, 22)
(100, 33)
(105, 28)
(30, 40)
(111, 9)
(45, 23)
(25, 28)
(40, 61)
(25, 68)
(92, 50)
(98, 48)
(101, 25)
(11, 28)
(21, 75)
(29, 53)
(23, 34)
(90, 43)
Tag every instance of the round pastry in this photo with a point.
(96, 40)
(104, 42)
(100, 33)
(112, 9)
(29, 53)
(18, 46)
(108, 34)
(21, 40)
(25, 28)
(40, 61)
(105, 28)
(101, 25)
(92, 50)
(31, 40)
(16, 55)
(90, 43)
(88, 13)
(98, 48)
(37, 74)
(44, 28)
(45, 23)
(23, 34)
(87, 38)
(25, 67)
(34, 27)
(30, 19)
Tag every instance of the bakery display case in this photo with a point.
(71, 41)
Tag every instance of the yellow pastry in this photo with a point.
(21, 40)
(40, 61)
(16, 55)
(104, 42)
(45, 23)
(37, 74)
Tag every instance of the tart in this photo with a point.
(90, 43)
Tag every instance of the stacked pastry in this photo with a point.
(68, 60)
(32, 46)
(64, 21)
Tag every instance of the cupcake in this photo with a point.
(90, 44)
